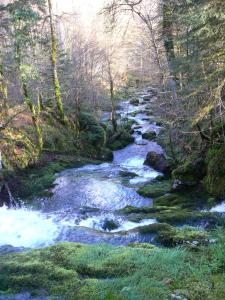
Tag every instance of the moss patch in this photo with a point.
(191, 172)
(155, 189)
(215, 179)
(75, 271)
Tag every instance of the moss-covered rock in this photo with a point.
(109, 225)
(193, 198)
(155, 228)
(215, 178)
(134, 101)
(149, 135)
(191, 172)
(156, 189)
(189, 236)
(123, 139)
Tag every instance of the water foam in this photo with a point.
(97, 223)
(26, 228)
(220, 208)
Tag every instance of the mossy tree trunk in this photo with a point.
(3, 89)
(112, 98)
(56, 84)
(35, 111)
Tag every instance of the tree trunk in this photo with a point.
(56, 84)
(35, 117)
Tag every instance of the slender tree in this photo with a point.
(56, 84)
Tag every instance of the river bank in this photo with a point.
(123, 203)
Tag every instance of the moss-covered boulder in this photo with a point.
(155, 189)
(109, 225)
(191, 172)
(187, 235)
(215, 178)
(149, 135)
(155, 228)
(193, 198)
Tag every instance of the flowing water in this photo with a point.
(85, 200)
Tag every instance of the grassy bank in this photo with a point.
(76, 271)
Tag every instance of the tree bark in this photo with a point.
(56, 84)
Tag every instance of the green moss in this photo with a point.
(75, 271)
(149, 136)
(155, 228)
(142, 246)
(191, 172)
(123, 140)
(192, 198)
(155, 189)
(187, 235)
(215, 178)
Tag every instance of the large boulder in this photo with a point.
(158, 162)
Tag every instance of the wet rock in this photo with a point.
(158, 162)
(141, 142)
(153, 91)
(177, 185)
(134, 101)
(149, 135)
(147, 97)
(109, 225)
(127, 174)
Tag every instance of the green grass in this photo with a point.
(81, 272)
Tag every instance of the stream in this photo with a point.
(85, 200)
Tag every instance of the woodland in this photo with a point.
(112, 149)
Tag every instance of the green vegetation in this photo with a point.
(215, 178)
(108, 272)
(156, 189)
